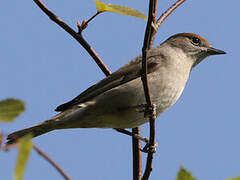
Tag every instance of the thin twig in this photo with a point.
(84, 24)
(168, 12)
(163, 17)
(133, 134)
(91, 18)
(45, 156)
(40, 152)
(75, 35)
(146, 46)
(137, 155)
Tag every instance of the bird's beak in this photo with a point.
(213, 51)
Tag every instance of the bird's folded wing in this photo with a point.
(125, 74)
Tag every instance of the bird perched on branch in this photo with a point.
(118, 100)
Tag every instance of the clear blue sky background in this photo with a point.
(42, 65)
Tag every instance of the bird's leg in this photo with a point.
(148, 111)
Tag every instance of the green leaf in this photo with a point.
(10, 109)
(236, 178)
(183, 174)
(24, 149)
(102, 7)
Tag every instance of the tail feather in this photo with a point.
(56, 122)
(34, 131)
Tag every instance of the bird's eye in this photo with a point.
(195, 40)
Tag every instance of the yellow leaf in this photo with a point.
(183, 174)
(10, 109)
(236, 178)
(102, 7)
(24, 149)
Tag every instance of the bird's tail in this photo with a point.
(36, 130)
(56, 122)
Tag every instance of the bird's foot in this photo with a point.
(150, 148)
(149, 111)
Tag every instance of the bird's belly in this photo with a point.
(123, 108)
(167, 97)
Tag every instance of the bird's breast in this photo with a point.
(166, 88)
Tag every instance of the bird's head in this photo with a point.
(193, 46)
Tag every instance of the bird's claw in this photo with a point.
(149, 111)
(150, 148)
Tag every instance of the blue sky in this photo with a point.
(42, 65)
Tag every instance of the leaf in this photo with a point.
(236, 178)
(183, 174)
(10, 109)
(24, 149)
(102, 7)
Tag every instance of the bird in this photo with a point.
(118, 100)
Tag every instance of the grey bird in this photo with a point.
(117, 101)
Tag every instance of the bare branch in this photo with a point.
(133, 134)
(45, 156)
(85, 23)
(163, 17)
(150, 108)
(40, 152)
(137, 155)
(75, 35)
(148, 42)
(168, 12)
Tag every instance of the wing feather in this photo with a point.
(129, 72)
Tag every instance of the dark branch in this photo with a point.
(75, 35)
(133, 134)
(84, 24)
(146, 46)
(148, 42)
(137, 155)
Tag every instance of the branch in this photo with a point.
(148, 43)
(45, 156)
(40, 152)
(146, 46)
(133, 134)
(137, 155)
(75, 35)
(93, 54)
(163, 17)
